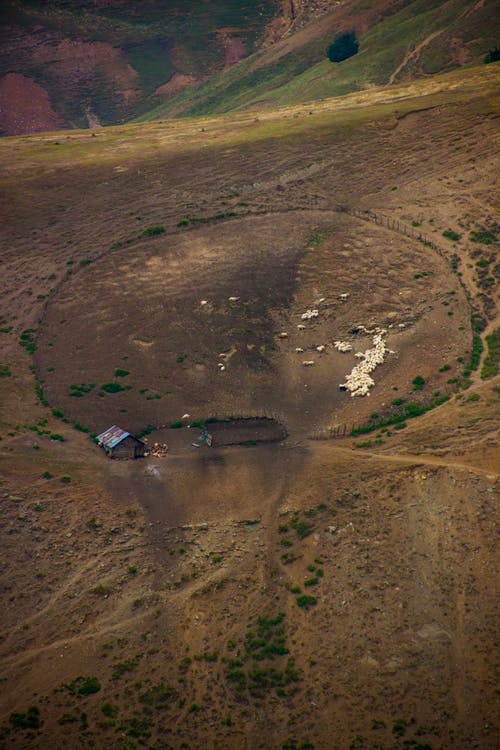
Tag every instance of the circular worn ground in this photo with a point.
(161, 311)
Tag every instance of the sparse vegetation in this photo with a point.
(492, 360)
(451, 235)
(152, 231)
(27, 720)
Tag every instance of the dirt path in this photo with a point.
(409, 458)
(413, 55)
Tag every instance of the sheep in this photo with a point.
(342, 346)
(298, 349)
(301, 327)
(359, 382)
(321, 348)
(283, 335)
(309, 314)
(344, 297)
(221, 366)
(233, 299)
(308, 362)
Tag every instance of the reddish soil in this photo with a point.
(25, 106)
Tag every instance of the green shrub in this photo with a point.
(492, 360)
(119, 373)
(5, 371)
(47, 475)
(177, 424)
(80, 427)
(56, 436)
(82, 686)
(306, 601)
(311, 581)
(112, 387)
(493, 55)
(67, 719)
(483, 236)
(418, 383)
(58, 413)
(477, 350)
(301, 528)
(28, 720)
(27, 340)
(152, 231)
(343, 46)
(451, 235)
(120, 668)
(65, 479)
(109, 710)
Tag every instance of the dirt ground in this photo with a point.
(327, 593)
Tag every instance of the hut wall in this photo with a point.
(128, 448)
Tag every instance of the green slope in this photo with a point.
(442, 35)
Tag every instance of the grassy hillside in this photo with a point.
(78, 63)
(397, 42)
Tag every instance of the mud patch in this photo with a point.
(246, 431)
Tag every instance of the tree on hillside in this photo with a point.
(493, 55)
(343, 46)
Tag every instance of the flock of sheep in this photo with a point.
(359, 381)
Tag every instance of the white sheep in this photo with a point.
(321, 348)
(298, 349)
(359, 382)
(308, 362)
(342, 346)
(309, 314)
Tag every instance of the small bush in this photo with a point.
(418, 383)
(109, 710)
(5, 371)
(82, 686)
(451, 235)
(112, 387)
(119, 373)
(47, 475)
(56, 436)
(65, 480)
(28, 720)
(177, 424)
(445, 368)
(493, 55)
(311, 581)
(306, 601)
(152, 231)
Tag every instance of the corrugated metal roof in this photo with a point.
(112, 436)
